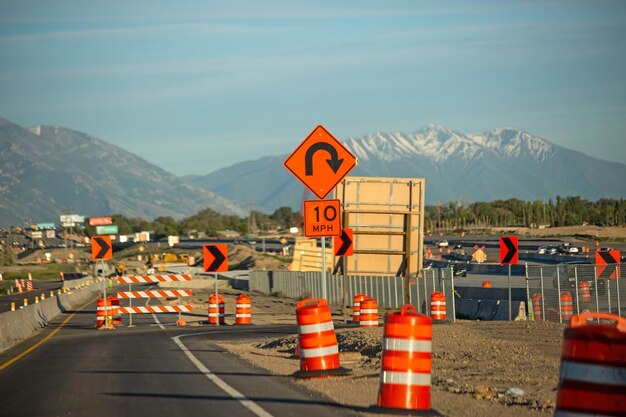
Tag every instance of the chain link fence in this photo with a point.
(553, 292)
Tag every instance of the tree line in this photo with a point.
(563, 211)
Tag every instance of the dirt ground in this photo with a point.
(477, 366)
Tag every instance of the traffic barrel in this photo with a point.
(537, 307)
(216, 309)
(356, 306)
(592, 380)
(369, 313)
(585, 291)
(243, 310)
(486, 284)
(406, 363)
(116, 316)
(438, 306)
(103, 314)
(567, 307)
(319, 352)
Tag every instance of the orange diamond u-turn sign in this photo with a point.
(320, 162)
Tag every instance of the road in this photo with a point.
(39, 287)
(147, 370)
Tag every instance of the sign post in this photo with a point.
(101, 248)
(320, 162)
(509, 254)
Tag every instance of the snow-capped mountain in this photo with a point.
(498, 164)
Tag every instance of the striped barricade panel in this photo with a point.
(154, 294)
(138, 279)
(155, 309)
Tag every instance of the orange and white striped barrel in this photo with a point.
(216, 309)
(406, 361)
(243, 310)
(369, 313)
(356, 306)
(592, 379)
(29, 284)
(319, 352)
(103, 311)
(567, 308)
(585, 291)
(116, 317)
(438, 306)
(537, 307)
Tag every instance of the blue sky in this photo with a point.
(194, 86)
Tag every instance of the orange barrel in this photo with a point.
(243, 311)
(29, 285)
(487, 284)
(216, 309)
(585, 293)
(406, 361)
(116, 316)
(319, 353)
(537, 310)
(592, 379)
(369, 313)
(438, 306)
(102, 311)
(356, 307)
(567, 308)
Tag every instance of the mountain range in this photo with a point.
(46, 171)
(498, 164)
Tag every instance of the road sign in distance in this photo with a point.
(322, 218)
(215, 258)
(100, 221)
(607, 264)
(101, 247)
(343, 244)
(110, 229)
(508, 250)
(320, 162)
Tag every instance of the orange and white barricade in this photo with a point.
(537, 306)
(181, 308)
(592, 381)
(567, 307)
(216, 309)
(369, 313)
(116, 317)
(406, 363)
(243, 310)
(438, 306)
(319, 352)
(103, 314)
(356, 306)
(584, 288)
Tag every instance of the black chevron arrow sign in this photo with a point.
(343, 243)
(215, 258)
(508, 250)
(101, 247)
(607, 264)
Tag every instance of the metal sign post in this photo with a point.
(324, 295)
(217, 303)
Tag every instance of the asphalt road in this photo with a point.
(39, 287)
(147, 370)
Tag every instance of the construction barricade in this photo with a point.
(104, 319)
(319, 352)
(169, 293)
(217, 309)
(567, 307)
(592, 380)
(243, 310)
(369, 313)
(406, 363)
(438, 306)
(356, 307)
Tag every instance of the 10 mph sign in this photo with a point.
(322, 218)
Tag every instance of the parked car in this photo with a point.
(542, 250)
(442, 243)
(567, 248)
(571, 249)
(551, 250)
(458, 246)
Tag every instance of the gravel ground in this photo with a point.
(475, 364)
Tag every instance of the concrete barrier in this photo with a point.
(18, 325)
(478, 303)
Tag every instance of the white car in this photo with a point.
(542, 250)
(572, 249)
(442, 243)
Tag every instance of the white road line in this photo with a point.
(154, 316)
(249, 404)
